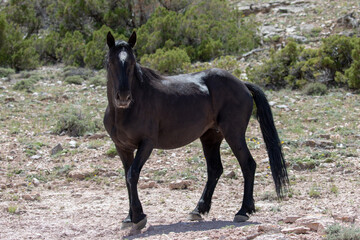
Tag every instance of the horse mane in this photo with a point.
(148, 75)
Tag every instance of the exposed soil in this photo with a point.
(80, 192)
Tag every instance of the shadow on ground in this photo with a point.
(182, 227)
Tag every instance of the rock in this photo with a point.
(277, 236)
(9, 99)
(268, 228)
(96, 136)
(73, 144)
(298, 39)
(229, 174)
(307, 28)
(319, 143)
(180, 184)
(58, 148)
(291, 219)
(35, 157)
(312, 119)
(325, 136)
(150, 184)
(81, 174)
(28, 197)
(285, 107)
(296, 230)
(36, 182)
(349, 20)
(317, 223)
(290, 9)
(345, 217)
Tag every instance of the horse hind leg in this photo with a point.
(211, 142)
(248, 166)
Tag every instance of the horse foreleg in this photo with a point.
(211, 141)
(127, 159)
(137, 215)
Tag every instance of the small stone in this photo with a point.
(81, 174)
(296, 230)
(28, 197)
(36, 182)
(180, 184)
(310, 143)
(73, 144)
(58, 148)
(285, 107)
(326, 136)
(268, 228)
(96, 136)
(317, 223)
(345, 218)
(147, 185)
(35, 157)
(291, 219)
(229, 174)
(312, 119)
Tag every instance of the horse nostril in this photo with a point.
(128, 98)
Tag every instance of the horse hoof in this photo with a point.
(240, 218)
(140, 225)
(195, 217)
(126, 225)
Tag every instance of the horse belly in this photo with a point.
(180, 130)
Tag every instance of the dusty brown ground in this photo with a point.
(321, 130)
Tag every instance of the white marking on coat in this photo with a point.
(123, 56)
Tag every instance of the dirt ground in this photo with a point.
(80, 193)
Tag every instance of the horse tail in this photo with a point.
(271, 138)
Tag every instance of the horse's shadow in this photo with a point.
(182, 227)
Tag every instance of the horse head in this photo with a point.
(121, 70)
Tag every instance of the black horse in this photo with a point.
(146, 111)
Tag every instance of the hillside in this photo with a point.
(56, 186)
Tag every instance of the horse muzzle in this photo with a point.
(122, 100)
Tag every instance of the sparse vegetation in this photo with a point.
(74, 122)
(338, 232)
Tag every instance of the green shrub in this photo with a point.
(353, 73)
(75, 123)
(338, 232)
(167, 61)
(99, 79)
(77, 80)
(17, 51)
(75, 71)
(206, 30)
(276, 72)
(2, 29)
(315, 88)
(28, 83)
(47, 46)
(71, 49)
(26, 56)
(335, 53)
(336, 61)
(24, 85)
(5, 72)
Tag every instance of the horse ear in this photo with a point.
(110, 40)
(132, 39)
